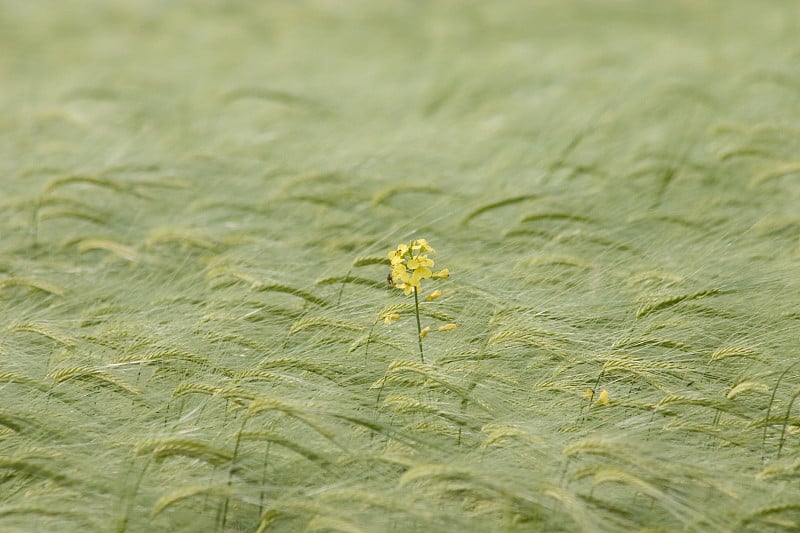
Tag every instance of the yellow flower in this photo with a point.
(588, 393)
(434, 295)
(419, 261)
(423, 246)
(399, 274)
(398, 256)
(602, 398)
(424, 332)
(407, 284)
(448, 327)
(418, 275)
(411, 264)
(389, 318)
(442, 274)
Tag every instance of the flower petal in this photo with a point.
(390, 317)
(402, 275)
(422, 273)
(434, 295)
(602, 398)
(423, 260)
(422, 245)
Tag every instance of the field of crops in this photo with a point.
(198, 199)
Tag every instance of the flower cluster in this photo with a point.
(411, 264)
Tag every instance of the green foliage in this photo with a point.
(197, 200)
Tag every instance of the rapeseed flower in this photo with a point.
(602, 398)
(423, 246)
(433, 296)
(410, 265)
(390, 317)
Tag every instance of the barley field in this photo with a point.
(198, 199)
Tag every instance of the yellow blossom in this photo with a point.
(399, 274)
(418, 275)
(419, 261)
(390, 317)
(434, 295)
(407, 284)
(398, 256)
(448, 327)
(588, 393)
(411, 264)
(423, 246)
(424, 332)
(407, 288)
(442, 274)
(602, 398)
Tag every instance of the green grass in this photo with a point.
(197, 200)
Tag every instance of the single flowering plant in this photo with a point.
(411, 264)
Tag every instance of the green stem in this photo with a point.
(769, 408)
(369, 339)
(129, 496)
(231, 472)
(786, 423)
(419, 326)
(263, 481)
